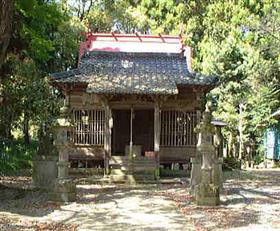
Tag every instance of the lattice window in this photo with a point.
(89, 126)
(177, 128)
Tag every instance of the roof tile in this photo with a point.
(132, 73)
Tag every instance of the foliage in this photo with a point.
(45, 34)
(259, 158)
(15, 154)
(231, 163)
(25, 93)
(44, 40)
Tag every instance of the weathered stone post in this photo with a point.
(64, 188)
(206, 192)
(217, 176)
(195, 171)
(44, 172)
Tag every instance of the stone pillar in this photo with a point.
(64, 188)
(207, 192)
(196, 171)
(217, 176)
(44, 171)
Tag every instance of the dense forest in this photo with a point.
(238, 41)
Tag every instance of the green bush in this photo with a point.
(259, 158)
(231, 163)
(14, 155)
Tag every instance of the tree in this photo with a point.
(44, 40)
(6, 21)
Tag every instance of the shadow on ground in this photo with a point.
(123, 208)
(27, 202)
(249, 199)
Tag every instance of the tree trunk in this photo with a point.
(6, 21)
(240, 130)
(5, 131)
(230, 145)
(26, 129)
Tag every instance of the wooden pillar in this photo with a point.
(198, 119)
(131, 133)
(130, 154)
(67, 99)
(221, 143)
(107, 138)
(199, 98)
(157, 135)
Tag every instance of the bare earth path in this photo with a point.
(121, 208)
(250, 201)
(98, 207)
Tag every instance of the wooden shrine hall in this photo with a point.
(135, 102)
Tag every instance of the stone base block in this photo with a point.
(44, 172)
(217, 175)
(62, 197)
(64, 191)
(207, 195)
(206, 174)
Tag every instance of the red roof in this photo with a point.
(132, 43)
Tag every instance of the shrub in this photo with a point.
(14, 155)
(231, 163)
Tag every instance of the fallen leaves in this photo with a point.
(13, 224)
(54, 227)
(243, 204)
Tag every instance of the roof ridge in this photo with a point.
(119, 53)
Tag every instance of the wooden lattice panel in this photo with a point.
(177, 128)
(89, 126)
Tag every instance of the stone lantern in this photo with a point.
(64, 188)
(205, 190)
(218, 159)
(218, 137)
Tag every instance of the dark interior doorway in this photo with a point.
(143, 130)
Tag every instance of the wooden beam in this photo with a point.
(131, 133)
(157, 134)
(67, 99)
(107, 138)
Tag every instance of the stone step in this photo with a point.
(85, 172)
(135, 171)
(125, 160)
(174, 173)
(134, 166)
(132, 179)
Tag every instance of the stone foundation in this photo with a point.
(64, 191)
(207, 195)
(217, 175)
(44, 172)
(195, 172)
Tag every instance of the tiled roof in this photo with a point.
(132, 73)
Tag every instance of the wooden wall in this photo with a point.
(188, 99)
(87, 152)
(176, 154)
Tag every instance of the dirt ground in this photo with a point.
(250, 201)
